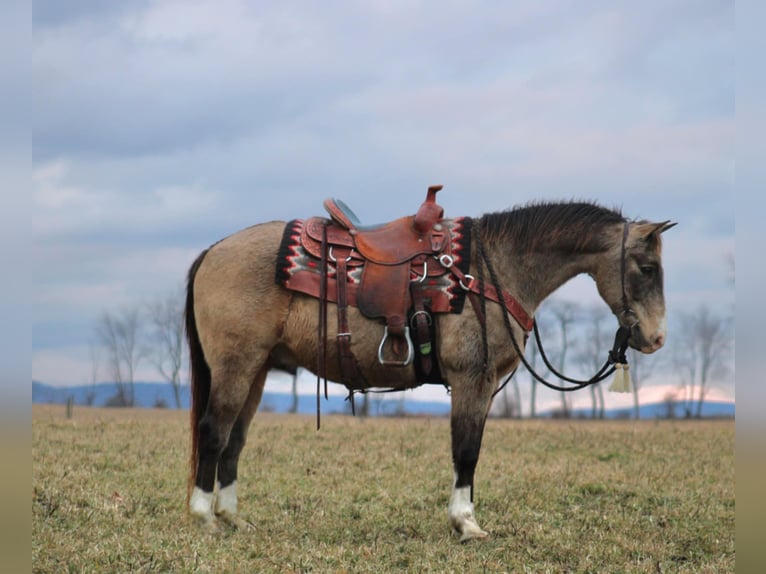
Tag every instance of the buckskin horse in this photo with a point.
(259, 300)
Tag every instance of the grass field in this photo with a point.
(108, 488)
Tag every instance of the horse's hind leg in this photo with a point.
(233, 385)
(226, 501)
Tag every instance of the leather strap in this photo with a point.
(421, 330)
(349, 369)
(507, 300)
(322, 323)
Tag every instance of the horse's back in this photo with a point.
(244, 316)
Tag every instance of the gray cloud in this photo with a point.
(160, 127)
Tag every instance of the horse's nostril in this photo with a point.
(660, 340)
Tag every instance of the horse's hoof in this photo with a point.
(470, 530)
(473, 535)
(466, 526)
(236, 523)
(206, 523)
(209, 526)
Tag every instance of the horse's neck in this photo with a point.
(532, 277)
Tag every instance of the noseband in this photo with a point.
(616, 360)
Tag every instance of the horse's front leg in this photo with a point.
(469, 413)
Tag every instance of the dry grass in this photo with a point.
(371, 496)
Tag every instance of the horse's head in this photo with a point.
(630, 280)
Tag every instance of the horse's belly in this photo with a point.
(301, 346)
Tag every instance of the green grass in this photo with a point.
(108, 489)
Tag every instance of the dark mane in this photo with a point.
(572, 227)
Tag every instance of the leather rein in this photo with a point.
(616, 354)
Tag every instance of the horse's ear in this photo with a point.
(650, 233)
(664, 226)
(648, 230)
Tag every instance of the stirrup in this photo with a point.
(410, 350)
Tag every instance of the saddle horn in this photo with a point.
(429, 213)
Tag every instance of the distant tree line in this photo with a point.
(576, 338)
(128, 338)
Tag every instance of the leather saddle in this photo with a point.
(396, 242)
(395, 258)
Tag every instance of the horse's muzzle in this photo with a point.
(647, 344)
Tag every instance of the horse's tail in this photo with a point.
(200, 375)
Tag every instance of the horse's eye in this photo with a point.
(648, 270)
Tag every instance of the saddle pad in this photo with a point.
(299, 270)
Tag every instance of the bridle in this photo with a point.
(626, 310)
(616, 356)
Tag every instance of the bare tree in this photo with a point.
(564, 313)
(670, 401)
(715, 343)
(705, 342)
(641, 368)
(533, 355)
(294, 392)
(685, 359)
(365, 410)
(119, 334)
(509, 406)
(516, 402)
(95, 363)
(167, 321)
(593, 352)
(400, 409)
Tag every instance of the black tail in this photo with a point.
(200, 374)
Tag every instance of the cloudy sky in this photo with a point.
(161, 126)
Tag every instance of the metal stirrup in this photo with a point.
(410, 350)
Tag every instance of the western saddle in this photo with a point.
(395, 259)
(399, 272)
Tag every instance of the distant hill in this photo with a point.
(161, 394)
(710, 409)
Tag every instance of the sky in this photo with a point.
(159, 127)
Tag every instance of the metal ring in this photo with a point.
(331, 257)
(447, 260)
(630, 312)
(416, 313)
(470, 279)
(421, 279)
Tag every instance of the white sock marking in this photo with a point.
(460, 505)
(201, 502)
(226, 503)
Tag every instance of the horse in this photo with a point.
(240, 323)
